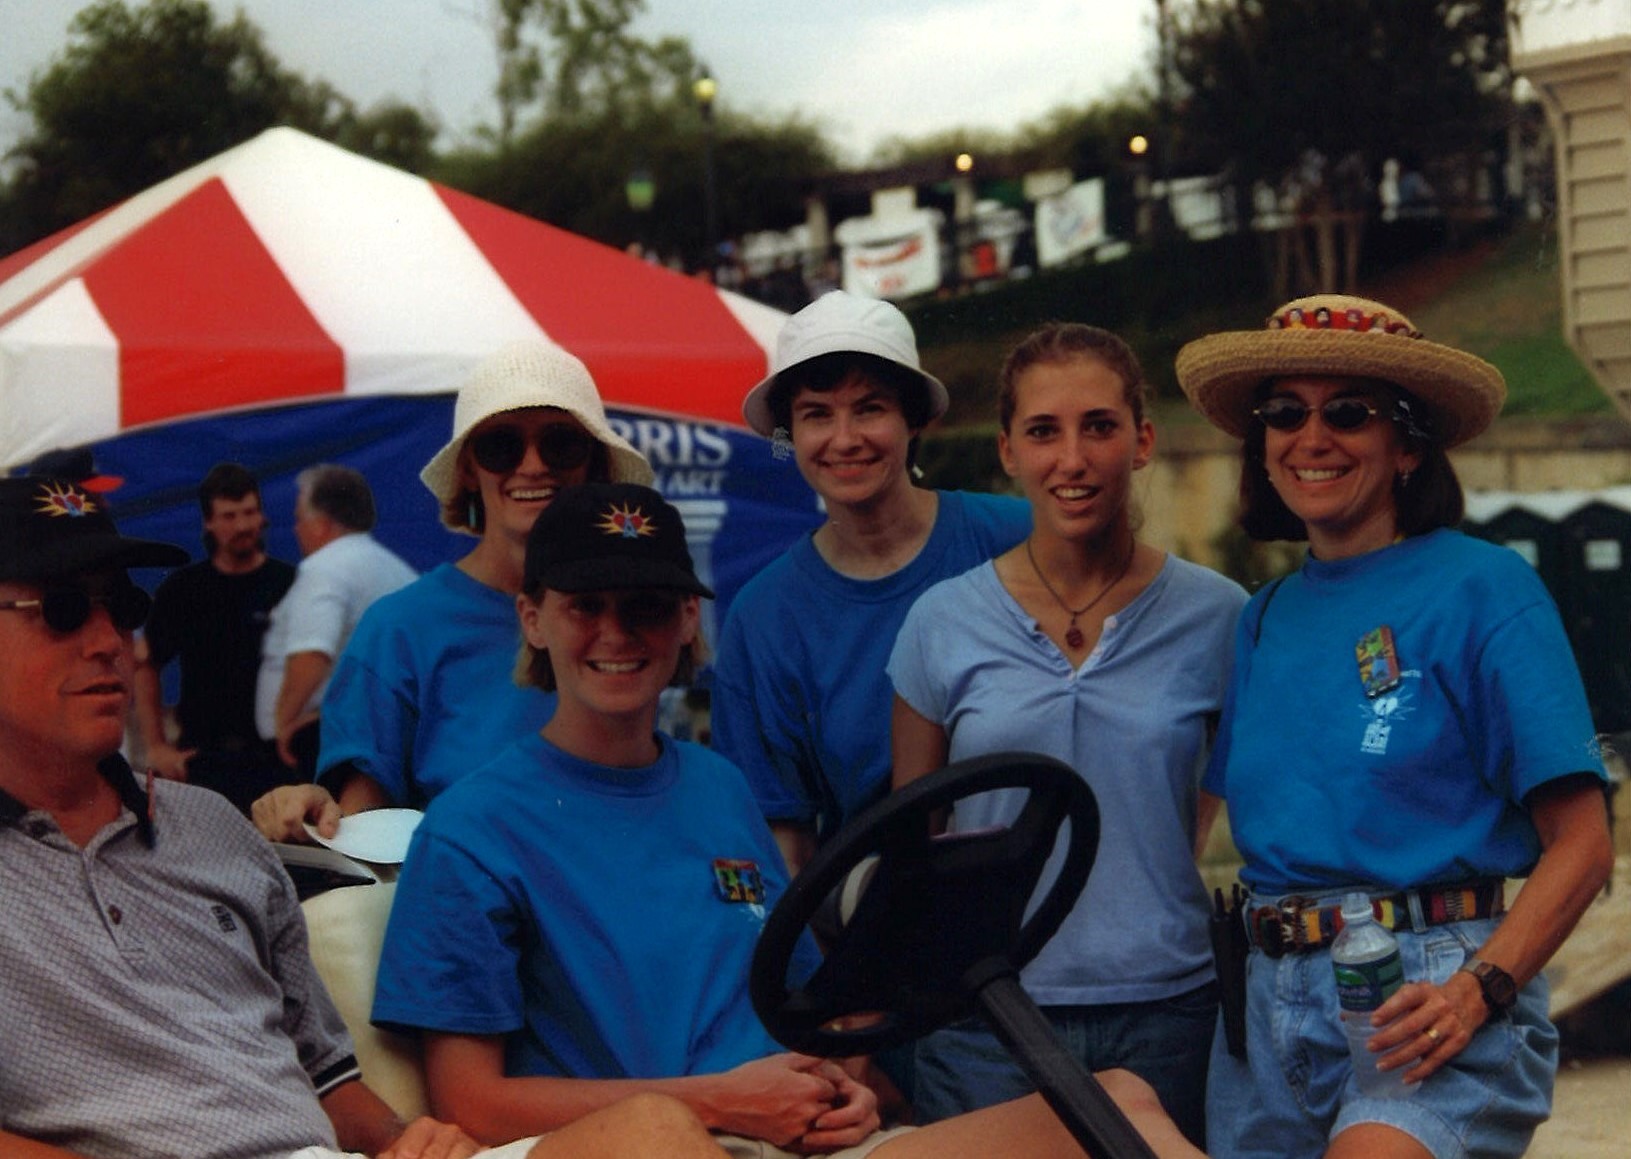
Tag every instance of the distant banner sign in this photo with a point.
(1070, 223)
(900, 266)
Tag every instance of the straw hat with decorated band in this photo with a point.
(1338, 335)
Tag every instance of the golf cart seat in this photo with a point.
(347, 929)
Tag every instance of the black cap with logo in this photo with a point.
(52, 529)
(609, 536)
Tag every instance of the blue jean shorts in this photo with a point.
(1294, 1091)
(964, 1066)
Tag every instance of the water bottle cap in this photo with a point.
(1356, 907)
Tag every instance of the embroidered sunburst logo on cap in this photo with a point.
(63, 499)
(629, 522)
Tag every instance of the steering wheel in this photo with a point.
(935, 916)
(931, 928)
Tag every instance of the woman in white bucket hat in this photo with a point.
(801, 701)
(419, 696)
(1404, 721)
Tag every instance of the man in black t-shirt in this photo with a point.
(210, 616)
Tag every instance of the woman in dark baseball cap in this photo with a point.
(585, 907)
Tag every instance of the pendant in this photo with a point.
(1073, 635)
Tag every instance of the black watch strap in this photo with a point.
(1499, 989)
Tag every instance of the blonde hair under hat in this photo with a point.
(839, 322)
(1338, 335)
(521, 375)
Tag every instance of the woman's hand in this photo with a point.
(853, 1117)
(779, 1099)
(1424, 1026)
(426, 1138)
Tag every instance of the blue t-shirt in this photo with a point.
(1423, 783)
(1131, 720)
(801, 700)
(424, 691)
(602, 919)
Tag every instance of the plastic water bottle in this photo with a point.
(1365, 956)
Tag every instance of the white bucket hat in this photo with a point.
(842, 323)
(529, 374)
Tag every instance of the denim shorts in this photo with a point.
(964, 1067)
(1294, 1091)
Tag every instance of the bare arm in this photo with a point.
(1577, 856)
(780, 1098)
(798, 844)
(303, 674)
(281, 815)
(162, 757)
(1207, 807)
(919, 746)
(364, 1122)
(17, 1147)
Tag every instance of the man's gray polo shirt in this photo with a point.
(159, 999)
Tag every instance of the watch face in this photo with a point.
(1500, 991)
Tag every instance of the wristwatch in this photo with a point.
(1500, 991)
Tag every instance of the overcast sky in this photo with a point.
(864, 70)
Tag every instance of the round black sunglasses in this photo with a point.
(65, 610)
(500, 449)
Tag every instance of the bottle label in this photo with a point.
(1363, 986)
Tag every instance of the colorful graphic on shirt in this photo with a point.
(1378, 661)
(738, 880)
(1381, 714)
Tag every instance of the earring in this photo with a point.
(1404, 479)
(472, 512)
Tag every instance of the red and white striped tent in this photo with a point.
(200, 320)
(289, 269)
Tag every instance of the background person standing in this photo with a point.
(210, 616)
(344, 571)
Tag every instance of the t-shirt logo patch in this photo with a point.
(224, 918)
(739, 881)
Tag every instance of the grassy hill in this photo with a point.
(1498, 296)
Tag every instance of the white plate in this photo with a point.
(377, 835)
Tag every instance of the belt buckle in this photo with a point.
(1283, 923)
(1269, 931)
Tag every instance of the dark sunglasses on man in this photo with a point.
(65, 609)
(562, 447)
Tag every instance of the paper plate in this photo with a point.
(378, 835)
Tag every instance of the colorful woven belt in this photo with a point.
(1297, 924)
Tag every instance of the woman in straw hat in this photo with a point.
(575, 921)
(1405, 719)
(1058, 647)
(801, 701)
(420, 695)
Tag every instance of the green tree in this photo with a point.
(572, 58)
(573, 172)
(141, 93)
(1297, 93)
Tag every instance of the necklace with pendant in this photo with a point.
(1073, 634)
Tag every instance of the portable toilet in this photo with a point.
(1597, 537)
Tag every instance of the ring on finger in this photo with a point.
(1432, 1035)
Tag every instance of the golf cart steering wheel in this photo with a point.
(932, 928)
(935, 916)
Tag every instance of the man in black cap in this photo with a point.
(160, 1000)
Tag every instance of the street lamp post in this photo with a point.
(705, 89)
